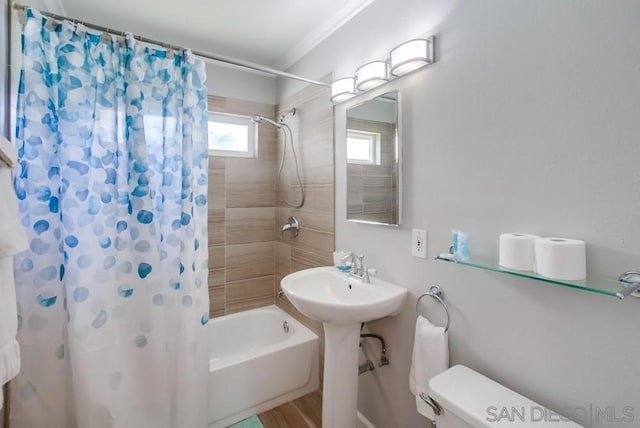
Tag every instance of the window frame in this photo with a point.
(235, 119)
(374, 146)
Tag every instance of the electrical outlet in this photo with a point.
(419, 243)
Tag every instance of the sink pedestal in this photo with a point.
(340, 386)
(341, 303)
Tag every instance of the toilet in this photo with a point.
(466, 399)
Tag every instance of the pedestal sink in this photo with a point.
(341, 303)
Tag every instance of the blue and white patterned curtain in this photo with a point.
(112, 293)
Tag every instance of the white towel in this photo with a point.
(430, 357)
(13, 239)
(9, 349)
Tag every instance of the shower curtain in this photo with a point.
(112, 293)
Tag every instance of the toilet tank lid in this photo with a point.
(482, 402)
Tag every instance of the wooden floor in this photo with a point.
(305, 412)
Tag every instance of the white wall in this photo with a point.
(231, 82)
(527, 122)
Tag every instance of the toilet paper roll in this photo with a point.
(561, 258)
(517, 251)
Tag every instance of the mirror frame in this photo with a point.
(375, 94)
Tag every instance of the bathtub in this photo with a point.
(259, 359)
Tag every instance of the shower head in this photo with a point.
(259, 119)
(291, 112)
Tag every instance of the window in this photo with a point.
(231, 135)
(363, 147)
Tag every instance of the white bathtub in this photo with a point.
(255, 365)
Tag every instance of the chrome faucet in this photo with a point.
(292, 226)
(358, 270)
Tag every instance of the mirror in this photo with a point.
(373, 168)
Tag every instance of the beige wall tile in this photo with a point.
(216, 256)
(244, 261)
(267, 143)
(314, 239)
(306, 258)
(216, 226)
(250, 293)
(216, 187)
(317, 156)
(246, 225)
(318, 197)
(216, 301)
(216, 277)
(321, 221)
(216, 163)
(216, 292)
(283, 259)
(250, 183)
(289, 193)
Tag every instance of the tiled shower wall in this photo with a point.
(241, 217)
(247, 257)
(312, 128)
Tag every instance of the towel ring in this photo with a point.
(436, 293)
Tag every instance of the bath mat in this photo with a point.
(252, 422)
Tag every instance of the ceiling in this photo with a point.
(275, 33)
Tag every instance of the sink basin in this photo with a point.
(328, 295)
(342, 303)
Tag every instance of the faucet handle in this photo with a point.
(292, 226)
(359, 267)
(347, 257)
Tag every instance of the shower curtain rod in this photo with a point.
(206, 55)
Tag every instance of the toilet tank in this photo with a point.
(469, 399)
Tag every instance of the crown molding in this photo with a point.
(320, 33)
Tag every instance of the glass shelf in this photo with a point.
(608, 287)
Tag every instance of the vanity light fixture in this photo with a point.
(411, 55)
(371, 75)
(403, 59)
(343, 89)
